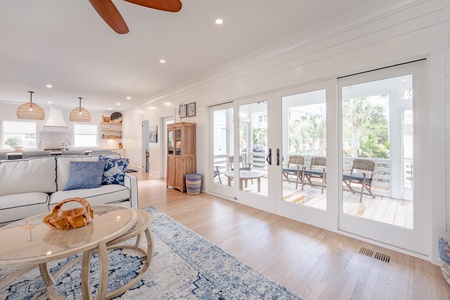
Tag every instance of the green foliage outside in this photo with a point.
(365, 128)
(14, 141)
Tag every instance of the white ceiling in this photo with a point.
(66, 44)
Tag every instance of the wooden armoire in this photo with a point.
(181, 154)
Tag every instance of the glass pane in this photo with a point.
(304, 149)
(377, 141)
(84, 140)
(253, 177)
(223, 146)
(85, 129)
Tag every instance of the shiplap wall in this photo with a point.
(419, 30)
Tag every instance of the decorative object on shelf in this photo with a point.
(106, 119)
(182, 110)
(79, 114)
(190, 108)
(30, 110)
(70, 219)
(116, 117)
(153, 134)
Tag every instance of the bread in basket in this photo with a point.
(70, 219)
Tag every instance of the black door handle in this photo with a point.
(278, 156)
(269, 157)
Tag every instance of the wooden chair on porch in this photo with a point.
(217, 173)
(361, 173)
(244, 166)
(294, 167)
(317, 169)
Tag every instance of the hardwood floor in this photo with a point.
(314, 263)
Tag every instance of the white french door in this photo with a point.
(306, 192)
(240, 148)
(384, 120)
(288, 152)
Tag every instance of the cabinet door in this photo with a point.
(180, 171)
(170, 170)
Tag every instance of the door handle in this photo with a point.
(278, 156)
(269, 157)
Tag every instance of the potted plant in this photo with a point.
(15, 142)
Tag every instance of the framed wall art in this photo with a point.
(153, 134)
(190, 107)
(182, 110)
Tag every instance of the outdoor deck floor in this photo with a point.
(383, 209)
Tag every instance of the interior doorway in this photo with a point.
(145, 146)
(164, 122)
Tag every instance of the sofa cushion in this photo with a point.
(28, 175)
(115, 170)
(105, 194)
(85, 175)
(19, 206)
(63, 168)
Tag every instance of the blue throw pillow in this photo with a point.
(115, 170)
(85, 175)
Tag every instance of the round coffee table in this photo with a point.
(244, 176)
(30, 242)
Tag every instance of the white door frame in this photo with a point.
(413, 240)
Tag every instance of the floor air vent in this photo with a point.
(366, 251)
(376, 255)
(382, 257)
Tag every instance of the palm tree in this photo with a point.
(360, 112)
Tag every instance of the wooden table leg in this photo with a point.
(85, 275)
(103, 276)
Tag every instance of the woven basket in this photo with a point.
(70, 219)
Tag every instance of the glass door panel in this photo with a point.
(253, 141)
(304, 149)
(383, 124)
(223, 142)
(373, 129)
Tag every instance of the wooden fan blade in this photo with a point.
(109, 13)
(166, 5)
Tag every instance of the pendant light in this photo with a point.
(79, 114)
(30, 110)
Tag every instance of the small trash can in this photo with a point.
(193, 183)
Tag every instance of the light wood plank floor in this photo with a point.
(314, 263)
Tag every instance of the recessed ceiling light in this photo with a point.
(49, 86)
(167, 103)
(219, 21)
(109, 108)
(128, 98)
(163, 61)
(49, 102)
(118, 103)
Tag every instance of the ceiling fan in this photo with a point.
(111, 15)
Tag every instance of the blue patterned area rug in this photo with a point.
(184, 266)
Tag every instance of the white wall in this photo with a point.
(419, 30)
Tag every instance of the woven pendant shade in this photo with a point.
(79, 114)
(30, 110)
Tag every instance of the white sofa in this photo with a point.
(32, 186)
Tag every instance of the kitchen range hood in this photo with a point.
(55, 121)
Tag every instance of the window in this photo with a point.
(85, 135)
(16, 135)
